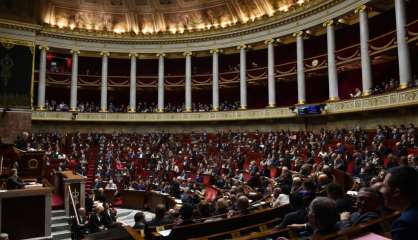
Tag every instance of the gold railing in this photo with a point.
(408, 97)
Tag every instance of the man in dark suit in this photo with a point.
(96, 220)
(14, 182)
(400, 191)
(368, 203)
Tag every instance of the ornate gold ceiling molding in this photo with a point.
(202, 41)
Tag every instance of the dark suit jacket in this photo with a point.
(14, 182)
(95, 223)
(357, 218)
(297, 217)
(406, 226)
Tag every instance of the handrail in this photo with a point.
(73, 204)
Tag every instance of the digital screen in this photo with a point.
(309, 110)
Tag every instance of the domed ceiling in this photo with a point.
(161, 16)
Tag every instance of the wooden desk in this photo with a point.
(26, 213)
(134, 199)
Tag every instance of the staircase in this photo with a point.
(59, 225)
(91, 167)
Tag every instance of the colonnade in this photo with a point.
(366, 70)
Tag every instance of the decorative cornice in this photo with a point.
(249, 28)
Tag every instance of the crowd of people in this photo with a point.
(240, 165)
(142, 107)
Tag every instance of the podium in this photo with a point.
(74, 188)
(26, 213)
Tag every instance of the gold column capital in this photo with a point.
(43, 47)
(243, 46)
(133, 54)
(75, 51)
(328, 23)
(105, 53)
(299, 34)
(161, 54)
(187, 53)
(270, 41)
(215, 50)
(361, 8)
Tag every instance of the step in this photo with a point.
(57, 213)
(59, 219)
(60, 235)
(56, 227)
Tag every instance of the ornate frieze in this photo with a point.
(403, 98)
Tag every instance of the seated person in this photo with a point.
(186, 215)
(96, 223)
(323, 216)
(279, 197)
(14, 182)
(336, 192)
(368, 204)
(80, 229)
(100, 196)
(299, 213)
(400, 193)
(160, 217)
(139, 221)
(242, 206)
(109, 216)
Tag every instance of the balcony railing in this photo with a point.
(403, 98)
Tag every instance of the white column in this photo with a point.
(74, 77)
(300, 67)
(132, 85)
(243, 75)
(271, 76)
(366, 69)
(403, 50)
(188, 82)
(215, 79)
(42, 77)
(160, 82)
(332, 67)
(103, 92)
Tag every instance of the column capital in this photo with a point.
(299, 34)
(187, 53)
(270, 41)
(132, 54)
(161, 54)
(361, 8)
(43, 47)
(243, 46)
(328, 23)
(75, 51)
(105, 53)
(216, 50)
